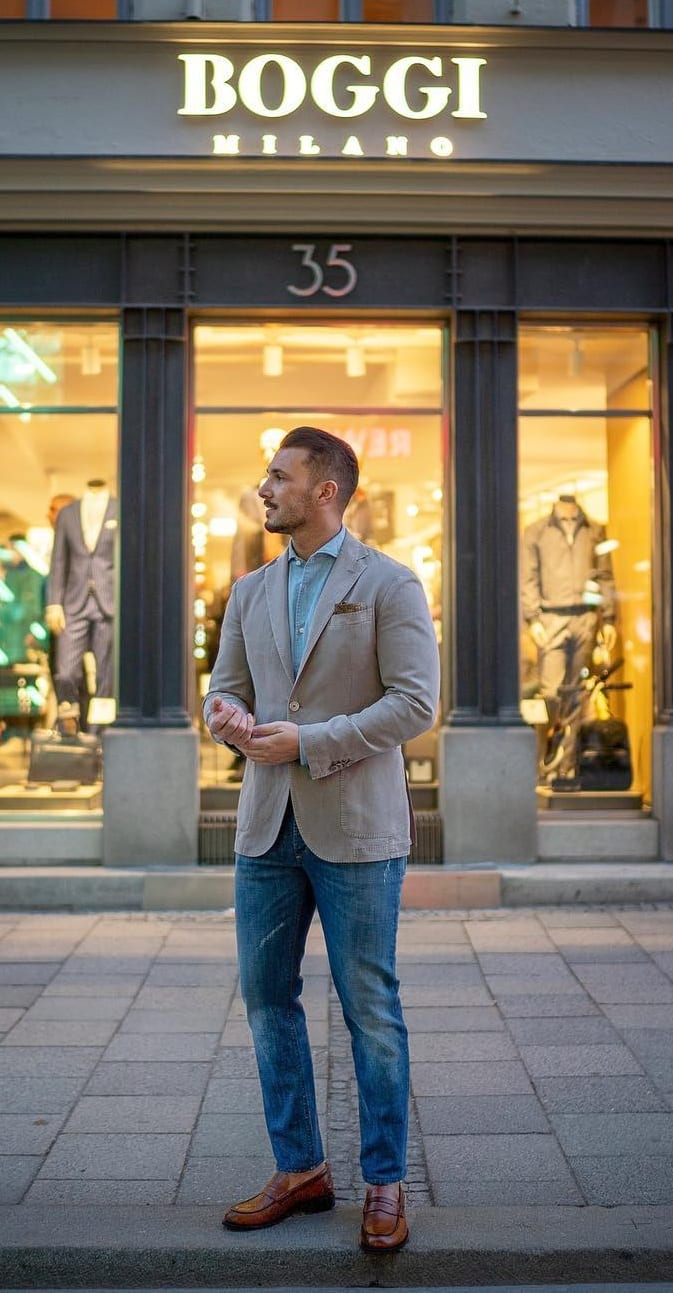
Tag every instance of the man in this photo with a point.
(328, 661)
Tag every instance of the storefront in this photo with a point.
(450, 248)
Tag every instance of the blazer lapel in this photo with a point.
(275, 583)
(346, 569)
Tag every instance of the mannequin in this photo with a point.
(81, 590)
(568, 594)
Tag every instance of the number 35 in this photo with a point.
(333, 260)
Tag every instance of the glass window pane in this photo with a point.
(585, 479)
(48, 365)
(398, 11)
(98, 9)
(58, 539)
(299, 11)
(376, 386)
(618, 13)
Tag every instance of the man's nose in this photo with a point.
(264, 490)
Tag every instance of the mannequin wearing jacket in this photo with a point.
(81, 589)
(568, 592)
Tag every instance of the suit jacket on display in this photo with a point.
(75, 571)
(368, 680)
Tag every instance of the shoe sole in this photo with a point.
(367, 1247)
(310, 1206)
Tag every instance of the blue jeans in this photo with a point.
(358, 903)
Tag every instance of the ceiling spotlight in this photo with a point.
(272, 360)
(355, 361)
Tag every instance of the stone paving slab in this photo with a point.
(542, 1085)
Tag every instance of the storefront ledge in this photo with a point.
(552, 883)
(598, 837)
(439, 888)
(72, 838)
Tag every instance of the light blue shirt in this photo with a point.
(305, 582)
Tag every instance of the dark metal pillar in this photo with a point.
(485, 611)
(154, 531)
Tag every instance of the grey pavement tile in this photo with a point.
(523, 985)
(102, 966)
(599, 1095)
(520, 1194)
(218, 1135)
(599, 1135)
(461, 1046)
(482, 1114)
(31, 1133)
(60, 1032)
(591, 938)
(523, 935)
(452, 1019)
(639, 1016)
(431, 933)
(25, 972)
(441, 974)
(16, 1173)
(560, 918)
(622, 955)
(195, 973)
(154, 997)
(235, 1062)
(534, 1005)
(473, 1079)
(237, 1033)
(122, 986)
(95, 1194)
(495, 1158)
(227, 1180)
(19, 995)
(135, 1113)
(9, 1016)
(654, 1048)
(162, 1046)
(173, 1021)
(540, 965)
(243, 1095)
(435, 994)
(58, 1061)
(626, 983)
(454, 954)
(664, 960)
(115, 1156)
(153, 1077)
(578, 1061)
(46, 1094)
(644, 1181)
(575, 1031)
(79, 1008)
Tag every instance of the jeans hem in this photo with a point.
(313, 1168)
(387, 1180)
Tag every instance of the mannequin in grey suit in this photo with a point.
(81, 590)
(328, 661)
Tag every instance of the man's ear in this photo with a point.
(328, 491)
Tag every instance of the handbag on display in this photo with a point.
(55, 757)
(604, 755)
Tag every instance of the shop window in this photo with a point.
(299, 11)
(84, 9)
(619, 13)
(397, 11)
(58, 539)
(377, 386)
(585, 472)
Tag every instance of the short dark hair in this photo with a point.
(329, 457)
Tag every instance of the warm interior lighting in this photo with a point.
(272, 360)
(22, 348)
(355, 361)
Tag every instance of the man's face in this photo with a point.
(289, 492)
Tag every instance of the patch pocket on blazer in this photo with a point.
(343, 620)
(373, 798)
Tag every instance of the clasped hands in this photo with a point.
(262, 743)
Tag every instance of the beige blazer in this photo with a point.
(369, 680)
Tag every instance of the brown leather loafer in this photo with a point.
(278, 1199)
(384, 1225)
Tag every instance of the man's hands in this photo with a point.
(55, 617)
(268, 743)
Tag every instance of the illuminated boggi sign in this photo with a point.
(273, 86)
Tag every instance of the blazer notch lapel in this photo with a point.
(275, 585)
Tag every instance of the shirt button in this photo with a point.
(294, 706)
(301, 628)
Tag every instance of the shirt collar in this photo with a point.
(330, 549)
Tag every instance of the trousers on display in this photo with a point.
(567, 650)
(91, 631)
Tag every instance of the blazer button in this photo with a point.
(294, 706)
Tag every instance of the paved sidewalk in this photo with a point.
(541, 1121)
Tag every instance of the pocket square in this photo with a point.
(347, 608)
